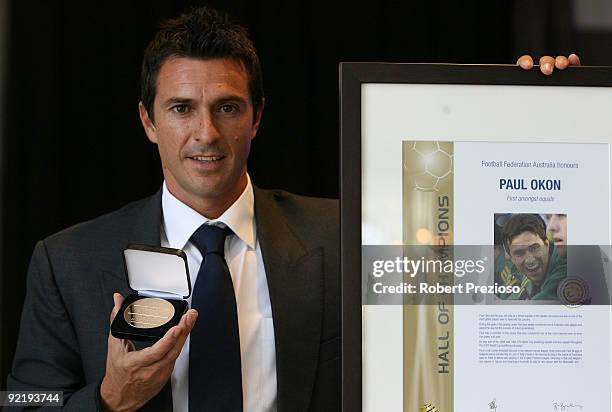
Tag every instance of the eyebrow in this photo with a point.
(231, 98)
(521, 247)
(177, 100)
(220, 99)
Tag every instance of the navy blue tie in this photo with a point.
(215, 378)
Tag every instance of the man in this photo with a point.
(534, 257)
(202, 102)
(557, 229)
(503, 270)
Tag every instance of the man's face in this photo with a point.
(204, 124)
(557, 226)
(529, 253)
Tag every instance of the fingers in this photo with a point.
(525, 62)
(574, 60)
(118, 300)
(118, 346)
(170, 344)
(561, 62)
(189, 318)
(547, 64)
(128, 345)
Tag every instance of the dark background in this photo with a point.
(72, 146)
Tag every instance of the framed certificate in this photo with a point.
(476, 156)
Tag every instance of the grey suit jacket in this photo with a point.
(65, 322)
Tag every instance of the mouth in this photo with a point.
(559, 241)
(532, 269)
(207, 163)
(207, 158)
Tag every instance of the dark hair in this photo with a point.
(201, 33)
(521, 223)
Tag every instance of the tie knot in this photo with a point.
(210, 239)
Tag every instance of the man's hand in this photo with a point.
(549, 63)
(133, 377)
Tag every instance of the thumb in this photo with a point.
(118, 300)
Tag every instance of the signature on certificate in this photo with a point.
(562, 406)
(493, 405)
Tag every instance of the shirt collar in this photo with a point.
(181, 221)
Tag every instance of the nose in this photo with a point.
(206, 129)
(529, 257)
(553, 223)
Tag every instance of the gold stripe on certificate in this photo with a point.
(428, 327)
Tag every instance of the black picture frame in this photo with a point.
(352, 77)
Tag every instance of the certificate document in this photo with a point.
(538, 337)
(475, 227)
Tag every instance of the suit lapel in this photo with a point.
(145, 230)
(147, 223)
(295, 283)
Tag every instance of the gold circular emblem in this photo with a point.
(147, 313)
(573, 291)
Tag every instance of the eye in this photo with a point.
(535, 248)
(228, 108)
(180, 108)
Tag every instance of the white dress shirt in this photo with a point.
(243, 256)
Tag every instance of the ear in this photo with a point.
(257, 118)
(147, 123)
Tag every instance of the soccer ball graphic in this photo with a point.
(427, 164)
